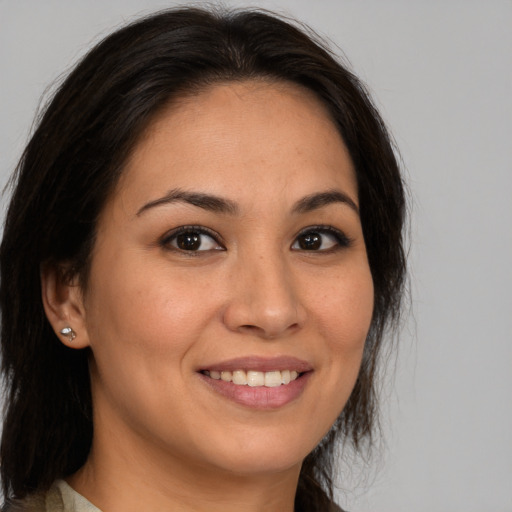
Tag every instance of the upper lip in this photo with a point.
(260, 364)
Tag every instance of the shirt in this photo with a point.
(61, 497)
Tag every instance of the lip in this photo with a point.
(260, 364)
(259, 398)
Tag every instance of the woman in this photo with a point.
(201, 256)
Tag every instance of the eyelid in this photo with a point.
(203, 230)
(342, 239)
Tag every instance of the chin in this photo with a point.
(266, 455)
(258, 465)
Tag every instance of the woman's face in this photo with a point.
(232, 247)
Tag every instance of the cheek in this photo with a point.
(341, 313)
(141, 327)
(148, 305)
(344, 314)
(345, 310)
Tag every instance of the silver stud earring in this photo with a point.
(69, 333)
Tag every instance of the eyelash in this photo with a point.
(342, 240)
(200, 230)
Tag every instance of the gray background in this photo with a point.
(441, 75)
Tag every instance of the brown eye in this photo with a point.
(321, 239)
(191, 240)
(310, 241)
(188, 241)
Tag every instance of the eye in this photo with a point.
(192, 239)
(320, 238)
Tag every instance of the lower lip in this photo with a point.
(259, 397)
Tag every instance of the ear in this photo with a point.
(63, 305)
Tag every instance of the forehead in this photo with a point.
(240, 136)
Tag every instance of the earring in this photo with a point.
(69, 333)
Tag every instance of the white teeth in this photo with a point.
(272, 379)
(255, 379)
(226, 376)
(239, 377)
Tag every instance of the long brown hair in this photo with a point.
(73, 162)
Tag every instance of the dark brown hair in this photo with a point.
(71, 166)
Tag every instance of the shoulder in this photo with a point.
(47, 501)
(35, 503)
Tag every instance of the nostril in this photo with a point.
(248, 327)
(268, 333)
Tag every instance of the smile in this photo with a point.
(258, 382)
(253, 378)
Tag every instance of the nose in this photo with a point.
(264, 301)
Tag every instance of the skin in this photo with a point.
(153, 314)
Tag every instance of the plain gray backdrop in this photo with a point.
(441, 74)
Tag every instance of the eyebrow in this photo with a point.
(218, 204)
(321, 199)
(206, 201)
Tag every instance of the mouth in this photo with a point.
(258, 382)
(254, 378)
